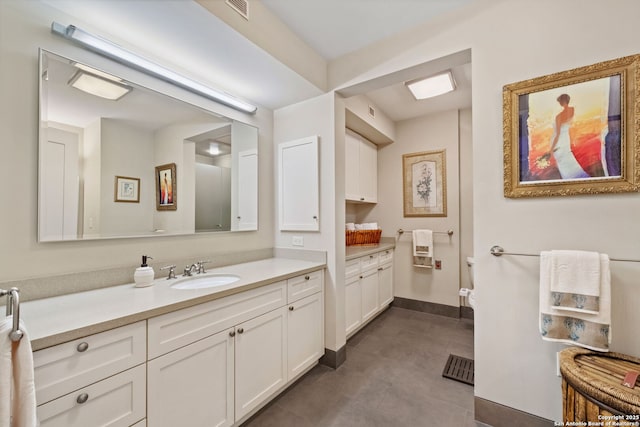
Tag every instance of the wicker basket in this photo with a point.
(592, 385)
(363, 237)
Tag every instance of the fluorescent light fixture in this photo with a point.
(431, 86)
(98, 73)
(99, 86)
(113, 51)
(214, 148)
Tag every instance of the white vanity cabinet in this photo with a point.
(361, 174)
(96, 380)
(368, 288)
(216, 363)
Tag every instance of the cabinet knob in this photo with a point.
(362, 199)
(361, 277)
(307, 277)
(82, 398)
(291, 308)
(232, 333)
(315, 217)
(241, 330)
(82, 347)
(380, 268)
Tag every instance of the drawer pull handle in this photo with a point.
(82, 398)
(241, 330)
(307, 277)
(380, 268)
(232, 333)
(82, 347)
(291, 308)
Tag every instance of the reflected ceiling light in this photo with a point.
(98, 86)
(214, 148)
(123, 56)
(431, 86)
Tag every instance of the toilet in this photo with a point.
(469, 293)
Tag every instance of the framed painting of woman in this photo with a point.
(166, 188)
(573, 132)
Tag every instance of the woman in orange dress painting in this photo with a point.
(567, 164)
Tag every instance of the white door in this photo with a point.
(298, 184)
(352, 167)
(369, 283)
(59, 186)
(260, 359)
(305, 326)
(353, 303)
(247, 215)
(193, 384)
(368, 171)
(385, 283)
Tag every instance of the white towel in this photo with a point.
(17, 387)
(575, 280)
(350, 226)
(423, 243)
(592, 331)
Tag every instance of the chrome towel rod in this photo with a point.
(13, 307)
(498, 251)
(449, 232)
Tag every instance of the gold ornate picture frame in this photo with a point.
(573, 132)
(166, 188)
(424, 184)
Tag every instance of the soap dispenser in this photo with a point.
(144, 274)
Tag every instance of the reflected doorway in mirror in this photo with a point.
(166, 187)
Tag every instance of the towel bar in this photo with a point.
(449, 232)
(499, 251)
(13, 307)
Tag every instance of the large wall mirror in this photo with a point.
(119, 160)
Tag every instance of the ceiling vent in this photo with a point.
(240, 6)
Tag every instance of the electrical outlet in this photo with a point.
(438, 264)
(297, 241)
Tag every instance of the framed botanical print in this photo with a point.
(424, 184)
(127, 189)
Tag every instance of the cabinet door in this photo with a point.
(117, 401)
(260, 359)
(385, 283)
(353, 304)
(352, 167)
(298, 184)
(194, 384)
(305, 337)
(368, 172)
(369, 283)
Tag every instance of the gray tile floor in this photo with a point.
(392, 378)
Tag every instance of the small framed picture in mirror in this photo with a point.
(127, 189)
(166, 197)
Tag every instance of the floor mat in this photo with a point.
(459, 369)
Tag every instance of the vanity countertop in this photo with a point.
(51, 321)
(353, 252)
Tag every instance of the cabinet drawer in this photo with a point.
(302, 286)
(116, 401)
(368, 262)
(385, 256)
(67, 367)
(174, 330)
(352, 268)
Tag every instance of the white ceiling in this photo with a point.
(337, 27)
(182, 32)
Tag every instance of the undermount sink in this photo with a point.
(204, 282)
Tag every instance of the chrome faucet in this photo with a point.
(189, 269)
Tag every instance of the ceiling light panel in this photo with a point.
(431, 86)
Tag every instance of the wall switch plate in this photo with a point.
(438, 264)
(297, 241)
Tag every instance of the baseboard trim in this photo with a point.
(497, 415)
(333, 359)
(427, 307)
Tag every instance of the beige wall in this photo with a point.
(25, 27)
(513, 41)
(428, 133)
